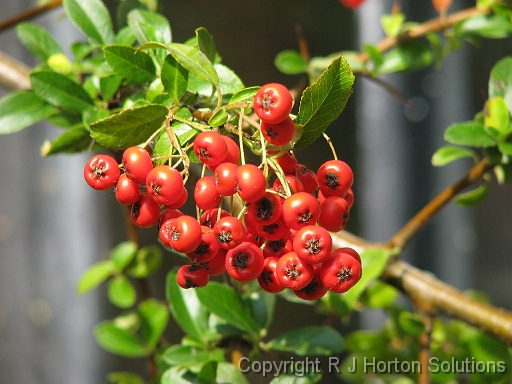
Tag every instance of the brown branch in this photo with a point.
(434, 25)
(28, 14)
(13, 73)
(411, 228)
(424, 288)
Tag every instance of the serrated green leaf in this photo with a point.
(290, 62)
(129, 127)
(121, 292)
(134, 66)
(411, 323)
(125, 378)
(59, 90)
(470, 133)
(473, 197)
(449, 153)
(392, 23)
(225, 303)
(147, 261)
(310, 340)
(206, 44)
(123, 254)
(37, 40)
(410, 56)
(119, 341)
(95, 275)
(154, 316)
(185, 307)
(73, 140)
(195, 62)
(19, 110)
(92, 18)
(174, 78)
(149, 27)
(324, 100)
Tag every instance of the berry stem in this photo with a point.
(328, 139)
(240, 136)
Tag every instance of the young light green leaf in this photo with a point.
(129, 127)
(121, 292)
(195, 62)
(218, 118)
(497, 116)
(290, 62)
(411, 323)
(381, 295)
(323, 101)
(19, 110)
(134, 66)
(72, 140)
(147, 261)
(95, 275)
(500, 79)
(473, 197)
(125, 378)
(122, 254)
(119, 341)
(185, 307)
(59, 90)
(206, 44)
(149, 27)
(92, 18)
(392, 23)
(488, 26)
(188, 355)
(470, 133)
(245, 95)
(37, 40)
(154, 316)
(225, 303)
(411, 56)
(449, 153)
(505, 148)
(310, 340)
(174, 78)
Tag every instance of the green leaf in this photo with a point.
(73, 140)
(149, 27)
(195, 62)
(324, 100)
(92, 18)
(218, 118)
(497, 116)
(125, 378)
(187, 355)
(470, 133)
(309, 377)
(206, 44)
(59, 90)
(134, 66)
(290, 62)
(244, 95)
(310, 340)
(129, 127)
(392, 23)
(37, 40)
(109, 86)
(381, 295)
(122, 254)
(486, 348)
(229, 373)
(410, 56)
(121, 292)
(500, 79)
(147, 261)
(225, 303)
(228, 80)
(411, 323)
(19, 110)
(119, 341)
(208, 373)
(174, 78)
(154, 316)
(374, 54)
(185, 307)
(449, 153)
(488, 26)
(505, 148)
(95, 275)
(473, 197)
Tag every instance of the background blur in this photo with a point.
(53, 226)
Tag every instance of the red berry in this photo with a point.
(313, 244)
(101, 172)
(244, 262)
(292, 272)
(165, 184)
(314, 290)
(210, 217)
(184, 234)
(229, 231)
(275, 231)
(251, 183)
(300, 210)
(273, 103)
(341, 271)
(192, 276)
(210, 148)
(207, 248)
(268, 279)
(225, 180)
(181, 201)
(334, 213)
(277, 248)
(146, 211)
(293, 182)
(287, 161)
(334, 177)
(205, 193)
(217, 265)
(137, 164)
(127, 190)
(307, 177)
(278, 134)
(352, 4)
(266, 210)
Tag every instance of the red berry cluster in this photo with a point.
(281, 237)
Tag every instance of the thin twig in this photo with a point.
(28, 14)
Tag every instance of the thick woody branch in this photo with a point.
(13, 73)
